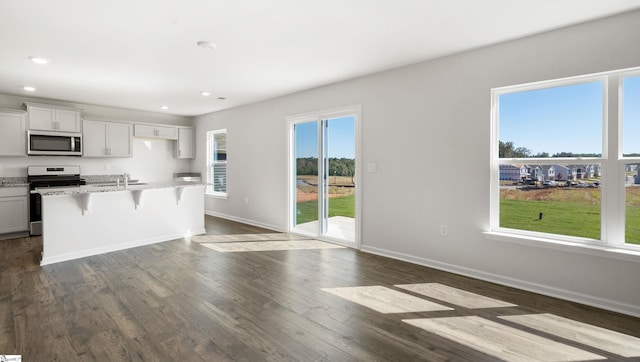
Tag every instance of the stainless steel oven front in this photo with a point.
(40, 177)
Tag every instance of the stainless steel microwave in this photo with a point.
(43, 143)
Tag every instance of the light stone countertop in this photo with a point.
(102, 188)
(15, 185)
(13, 182)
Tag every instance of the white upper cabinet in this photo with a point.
(185, 146)
(120, 139)
(13, 134)
(48, 118)
(155, 131)
(107, 139)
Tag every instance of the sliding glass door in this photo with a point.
(324, 177)
(307, 178)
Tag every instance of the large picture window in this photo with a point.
(217, 162)
(562, 152)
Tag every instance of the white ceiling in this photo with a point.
(141, 54)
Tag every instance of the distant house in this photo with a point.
(521, 173)
(559, 172)
(542, 173)
(549, 173)
(586, 171)
(537, 173)
(512, 172)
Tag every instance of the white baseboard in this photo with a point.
(246, 221)
(110, 248)
(593, 301)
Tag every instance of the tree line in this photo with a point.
(508, 150)
(337, 166)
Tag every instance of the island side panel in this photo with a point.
(114, 223)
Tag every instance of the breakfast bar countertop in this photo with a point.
(109, 187)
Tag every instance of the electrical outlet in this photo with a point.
(444, 230)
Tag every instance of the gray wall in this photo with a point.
(430, 122)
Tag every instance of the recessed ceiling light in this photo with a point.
(205, 44)
(29, 88)
(164, 107)
(39, 60)
(205, 93)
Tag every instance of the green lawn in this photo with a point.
(338, 206)
(575, 219)
(557, 217)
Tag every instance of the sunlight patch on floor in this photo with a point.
(385, 300)
(230, 247)
(455, 296)
(246, 237)
(604, 339)
(500, 341)
(505, 341)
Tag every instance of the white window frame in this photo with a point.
(210, 163)
(612, 164)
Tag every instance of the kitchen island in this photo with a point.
(94, 219)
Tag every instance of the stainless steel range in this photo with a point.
(48, 177)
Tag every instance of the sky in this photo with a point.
(566, 119)
(631, 115)
(341, 137)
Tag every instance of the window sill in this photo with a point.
(567, 246)
(217, 196)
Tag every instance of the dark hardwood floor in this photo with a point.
(180, 301)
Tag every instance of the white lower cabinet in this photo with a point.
(107, 139)
(14, 209)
